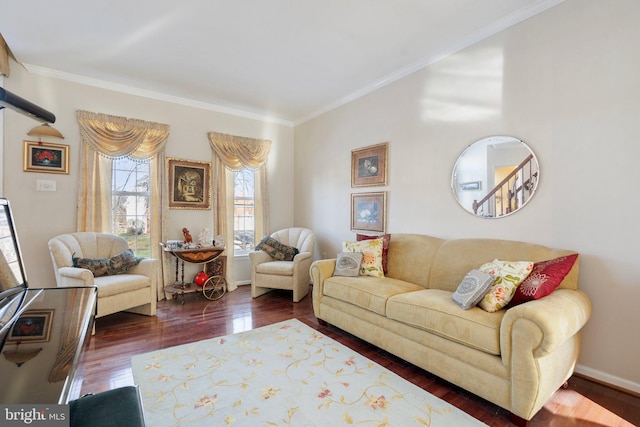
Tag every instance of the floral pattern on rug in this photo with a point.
(285, 374)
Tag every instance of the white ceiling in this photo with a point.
(280, 60)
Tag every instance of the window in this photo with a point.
(243, 210)
(130, 211)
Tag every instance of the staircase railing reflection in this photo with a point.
(512, 188)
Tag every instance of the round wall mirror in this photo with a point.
(495, 176)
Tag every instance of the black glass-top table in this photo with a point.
(44, 346)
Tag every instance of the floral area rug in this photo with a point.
(285, 374)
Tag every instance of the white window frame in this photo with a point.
(249, 245)
(144, 216)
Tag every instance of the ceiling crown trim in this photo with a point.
(130, 90)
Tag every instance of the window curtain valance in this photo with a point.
(4, 57)
(115, 136)
(236, 152)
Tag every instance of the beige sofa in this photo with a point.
(516, 358)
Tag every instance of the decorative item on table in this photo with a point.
(187, 235)
(200, 278)
(204, 238)
(174, 244)
(218, 241)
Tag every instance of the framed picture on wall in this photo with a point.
(369, 211)
(369, 165)
(189, 184)
(45, 157)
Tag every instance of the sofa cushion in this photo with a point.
(434, 310)
(348, 264)
(472, 288)
(367, 292)
(371, 255)
(280, 268)
(545, 277)
(508, 274)
(120, 283)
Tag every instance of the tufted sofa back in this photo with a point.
(442, 264)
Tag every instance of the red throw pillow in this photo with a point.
(545, 277)
(385, 246)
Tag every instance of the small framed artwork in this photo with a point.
(369, 211)
(369, 165)
(45, 157)
(469, 186)
(32, 326)
(189, 184)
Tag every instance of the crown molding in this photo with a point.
(130, 90)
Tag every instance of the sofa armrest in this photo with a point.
(319, 271)
(146, 267)
(73, 276)
(540, 345)
(259, 257)
(558, 317)
(301, 256)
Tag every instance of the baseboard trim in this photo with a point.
(611, 381)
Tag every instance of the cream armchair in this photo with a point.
(268, 274)
(133, 291)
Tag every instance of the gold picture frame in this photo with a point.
(189, 184)
(369, 212)
(31, 327)
(369, 165)
(45, 157)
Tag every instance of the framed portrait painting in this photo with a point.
(32, 326)
(189, 184)
(45, 157)
(369, 211)
(369, 165)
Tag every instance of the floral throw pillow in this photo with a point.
(385, 246)
(545, 277)
(508, 275)
(371, 255)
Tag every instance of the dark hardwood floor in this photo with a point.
(107, 362)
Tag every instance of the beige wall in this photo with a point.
(42, 215)
(567, 83)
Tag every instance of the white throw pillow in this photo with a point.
(473, 287)
(348, 264)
